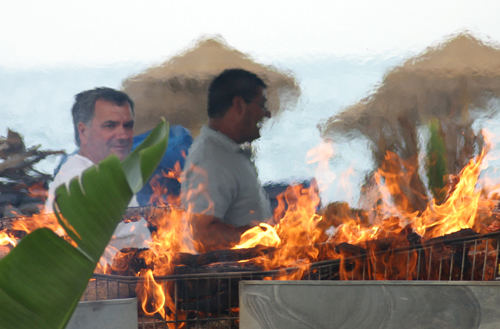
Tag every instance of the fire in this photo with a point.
(37, 191)
(297, 228)
(18, 227)
(392, 221)
(167, 242)
(151, 295)
(160, 195)
(459, 210)
(303, 231)
(321, 156)
(7, 240)
(262, 234)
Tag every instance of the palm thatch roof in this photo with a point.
(177, 89)
(452, 82)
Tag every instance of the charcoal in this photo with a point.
(214, 268)
(413, 238)
(350, 249)
(129, 262)
(456, 237)
(217, 256)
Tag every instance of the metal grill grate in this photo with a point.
(210, 300)
(471, 258)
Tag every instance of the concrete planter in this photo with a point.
(369, 304)
(105, 314)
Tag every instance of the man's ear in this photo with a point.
(239, 104)
(82, 132)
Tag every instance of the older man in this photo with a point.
(220, 187)
(103, 120)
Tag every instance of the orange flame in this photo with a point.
(262, 234)
(167, 241)
(300, 235)
(160, 195)
(296, 229)
(151, 295)
(7, 240)
(459, 210)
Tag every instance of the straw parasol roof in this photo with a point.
(177, 89)
(452, 82)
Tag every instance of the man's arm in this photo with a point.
(205, 195)
(211, 233)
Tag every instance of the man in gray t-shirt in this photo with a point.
(220, 187)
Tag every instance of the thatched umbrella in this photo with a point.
(450, 83)
(177, 89)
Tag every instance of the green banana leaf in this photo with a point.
(436, 161)
(43, 277)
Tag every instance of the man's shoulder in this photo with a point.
(212, 144)
(203, 147)
(73, 166)
(209, 152)
(76, 161)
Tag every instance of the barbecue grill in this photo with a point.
(210, 300)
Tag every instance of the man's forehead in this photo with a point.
(105, 110)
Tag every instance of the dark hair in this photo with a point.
(229, 84)
(84, 107)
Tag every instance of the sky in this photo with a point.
(99, 32)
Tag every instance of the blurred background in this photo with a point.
(332, 54)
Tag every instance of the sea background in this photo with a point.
(36, 102)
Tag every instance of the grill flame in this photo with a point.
(302, 232)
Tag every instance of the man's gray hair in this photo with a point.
(84, 107)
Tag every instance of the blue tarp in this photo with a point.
(179, 141)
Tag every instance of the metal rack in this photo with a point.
(210, 300)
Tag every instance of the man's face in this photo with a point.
(254, 116)
(109, 131)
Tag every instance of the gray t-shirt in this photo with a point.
(220, 180)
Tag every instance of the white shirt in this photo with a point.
(133, 234)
